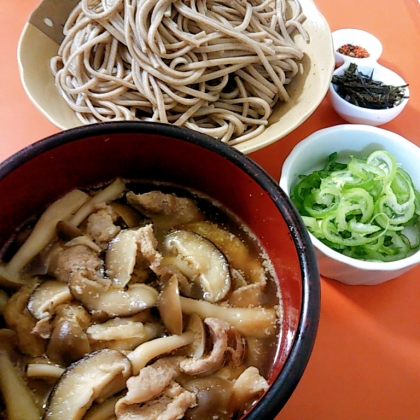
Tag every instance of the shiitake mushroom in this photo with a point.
(201, 261)
(208, 390)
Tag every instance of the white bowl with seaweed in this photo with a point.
(368, 94)
(362, 91)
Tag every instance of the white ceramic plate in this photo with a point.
(43, 32)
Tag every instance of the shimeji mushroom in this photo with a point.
(201, 261)
(4, 297)
(14, 281)
(16, 395)
(256, 322)
(169, 306)
(43, 370)
(209, 389)
(145, 352)
(151, 331)
(104, 410)
(45, 229)
(67, 231)
(98, 375)
(20, 320)
(211, 362)
(84, 240)
(68, 341)
(198, 346)
(109, 193)
(128, 214)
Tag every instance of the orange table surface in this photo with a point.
(366, 359)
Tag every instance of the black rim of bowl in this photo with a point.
(286, 382)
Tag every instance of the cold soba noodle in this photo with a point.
(215, 66)
(136, 301)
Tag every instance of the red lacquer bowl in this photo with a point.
(86, 156)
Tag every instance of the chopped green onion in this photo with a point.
(361, 209)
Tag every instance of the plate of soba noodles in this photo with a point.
(246, 73)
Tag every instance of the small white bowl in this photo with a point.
(357, 115)
(356, 37)
(359, 141)
(352, 113)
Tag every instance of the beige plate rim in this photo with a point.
(307, 90)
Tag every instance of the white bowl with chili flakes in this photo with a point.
(360, 48)
(356, 45)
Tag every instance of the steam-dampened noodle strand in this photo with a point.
(215, 66)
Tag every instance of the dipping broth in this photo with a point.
(134, 300)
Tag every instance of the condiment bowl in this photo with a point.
(359, 141)
(359, 38)
(358, 115)
(92, 155)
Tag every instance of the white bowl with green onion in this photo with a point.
(357, 188)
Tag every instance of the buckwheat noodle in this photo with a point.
(215, 66)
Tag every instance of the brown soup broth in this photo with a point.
(260, 351)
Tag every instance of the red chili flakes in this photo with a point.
(353, 51)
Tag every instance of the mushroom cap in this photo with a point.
(96, 376)
(169, 306)
(201, 261)
(196, 325)
(46, 297)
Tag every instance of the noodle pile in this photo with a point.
(215, 66)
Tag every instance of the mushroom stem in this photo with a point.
(111, 192)
(45, 229)
(4, 297)
(104, 410)
(169, 306)
(20, 320)
(13, 281)
(151, 349)
(35, 370)
(13, 386)
(256, 322)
